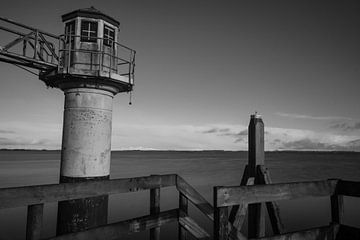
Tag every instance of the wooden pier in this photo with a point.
(225, 197)
(231, 204)
(34, 197)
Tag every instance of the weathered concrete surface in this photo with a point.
(86, 143)
(85, 155)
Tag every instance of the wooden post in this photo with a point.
(337, 207)
(272, 207)
(34, 221)
(183, 206)
(220, 219)
(155, 209)
(256, 212)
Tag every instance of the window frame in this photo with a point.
(70, 30)
(91, 31)
(109, 38)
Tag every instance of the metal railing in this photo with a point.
(33, 48)
(112, 57)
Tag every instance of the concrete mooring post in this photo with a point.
(85, 156)
(256, 212)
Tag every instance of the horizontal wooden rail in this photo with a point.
(23, 196)
(123, 228)
(192, 227)
(229, 196)
(199, 201)
(325, 232)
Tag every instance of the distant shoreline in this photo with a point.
(272, 151)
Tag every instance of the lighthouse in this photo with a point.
(93, 67)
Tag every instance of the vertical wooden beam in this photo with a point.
(183, 207)
(34, 221)
(220, 219)
(272, 207)
(256, 212)
(337, 206)
(235, 208)
(155, 209)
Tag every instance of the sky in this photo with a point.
(202, 68)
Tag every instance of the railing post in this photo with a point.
(24, 48)
(337, 207)
(34, 221)
(183, 207)
(36, 43)
(220, 219)
(256, 212)
(155, 209)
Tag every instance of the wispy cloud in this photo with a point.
(301, 116)
(216, 130)
(6, 131)
(25, 143)
(185, 137)
(346, 126)
(308, 144)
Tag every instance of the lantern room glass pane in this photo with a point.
(109, 36)
(70, 31)
(89, 31)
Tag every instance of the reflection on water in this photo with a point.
(203, 170)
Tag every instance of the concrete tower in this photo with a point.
(93, 67)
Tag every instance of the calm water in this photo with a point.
(203, 170)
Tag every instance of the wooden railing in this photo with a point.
(36, 196)
(225, 197)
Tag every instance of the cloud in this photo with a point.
(300, 116)
(6, 131)
(184, 137)
(311, 144)
(306, 144)
(345, 126)
(216, 130)
(24, 143)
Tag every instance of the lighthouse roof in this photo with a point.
(90, 12)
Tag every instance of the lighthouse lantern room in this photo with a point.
(90, 54)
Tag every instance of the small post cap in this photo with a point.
(255, 115)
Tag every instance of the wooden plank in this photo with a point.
(229, 196)
(221, 223)
(155, 209)
(121, 229)
(34, 221)
(348, 232)
(239, 218)
(337, 208)
(256, 220)
(183, 208)
(244, 181)
(199, 201)
(192, 227)
(22, 196)
(272, 207)
(220, 219)
(325, 232)
(349, 188)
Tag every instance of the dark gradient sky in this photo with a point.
(202, 68)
